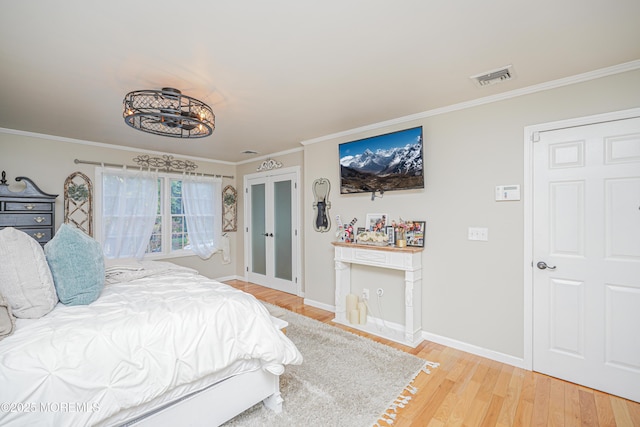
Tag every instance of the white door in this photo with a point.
(586, 229)
(271, 230)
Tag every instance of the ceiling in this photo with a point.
(281, 72)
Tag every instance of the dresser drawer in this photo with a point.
(27, 206)
(42, 235)
(25, 219)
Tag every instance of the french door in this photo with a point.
(586, 255)
(272, 248)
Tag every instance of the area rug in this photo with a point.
(345, 380)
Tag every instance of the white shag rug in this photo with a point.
(345, 380)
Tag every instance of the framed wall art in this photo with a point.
(229, 209)
(78, 202)
(393, 161)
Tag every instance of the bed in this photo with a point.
(162, 345)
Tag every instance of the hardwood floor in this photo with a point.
(469, 390)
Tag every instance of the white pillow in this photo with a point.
(122, 264)
(25, 278)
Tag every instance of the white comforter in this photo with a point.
(81, 365)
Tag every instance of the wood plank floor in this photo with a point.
(469, 390)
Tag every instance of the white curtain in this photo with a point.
(202, 199)
(129, 210)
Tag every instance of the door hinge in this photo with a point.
(535, 137)
(247, 269)
(295, 232)
(296, 280)
(246, 190)
(295, 185)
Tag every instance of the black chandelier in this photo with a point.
(168, 112)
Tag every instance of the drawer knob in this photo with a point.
(39, 235)
(39, 219)
(29, 206)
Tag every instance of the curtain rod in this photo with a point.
(115, 165)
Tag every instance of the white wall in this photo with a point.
(48, 162)
(472, 291)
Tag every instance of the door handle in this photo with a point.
(268, 234)
(543, 265)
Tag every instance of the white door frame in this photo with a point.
(531, 135)
(297, 205)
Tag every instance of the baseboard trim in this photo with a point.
(391, 330)
(320, 305)
(227, 278)
(474, 349)
(382, 328)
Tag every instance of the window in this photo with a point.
(170, 216)
(125, 202)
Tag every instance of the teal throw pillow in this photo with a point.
(77, 266)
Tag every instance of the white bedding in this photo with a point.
(80, 365)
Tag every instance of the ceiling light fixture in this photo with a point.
(168, 112)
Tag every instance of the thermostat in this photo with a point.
(507, 192)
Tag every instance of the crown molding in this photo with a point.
(108, 146)
(553, 84)
(268, 156)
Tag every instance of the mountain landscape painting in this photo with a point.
(386, 162)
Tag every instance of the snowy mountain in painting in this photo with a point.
(405, 160)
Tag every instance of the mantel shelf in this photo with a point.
(409, 249)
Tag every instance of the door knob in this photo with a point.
(543, 265)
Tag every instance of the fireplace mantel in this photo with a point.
(408, 259)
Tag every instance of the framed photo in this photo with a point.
(415, 234)
(376, 222)
(391, 234)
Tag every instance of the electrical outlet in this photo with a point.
(479, 233)
(365, 294)
(380, 292)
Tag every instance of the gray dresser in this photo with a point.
(31, 210)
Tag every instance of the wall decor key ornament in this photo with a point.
(321, 204)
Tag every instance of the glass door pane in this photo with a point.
(258, 222)
(282, 230)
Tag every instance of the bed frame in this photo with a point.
(217, 403)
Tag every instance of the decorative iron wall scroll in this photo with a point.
(165, 162)
(78, 202)
(229, 209)
(268, 165)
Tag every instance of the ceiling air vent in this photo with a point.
(494, 76)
